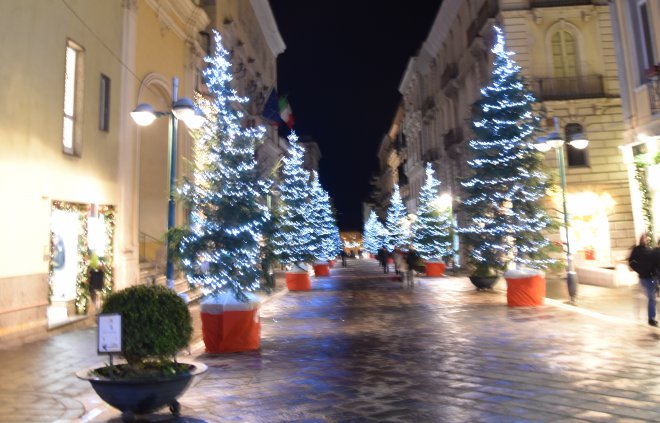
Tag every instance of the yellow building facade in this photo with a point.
(88, 188)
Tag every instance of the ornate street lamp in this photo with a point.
(544, 144)
(182, 109)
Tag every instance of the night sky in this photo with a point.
(341, 69)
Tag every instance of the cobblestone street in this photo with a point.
(361, 348)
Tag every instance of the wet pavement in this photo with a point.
(360, 347)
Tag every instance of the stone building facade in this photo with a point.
(636, 29)
(567, 53)
(87, 181)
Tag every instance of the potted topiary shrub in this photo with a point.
(155, 325)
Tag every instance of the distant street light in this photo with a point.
(144, 114)
(544, 144)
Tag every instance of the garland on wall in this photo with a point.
(83, 295)
(642, 185)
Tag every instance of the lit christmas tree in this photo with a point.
(293, 242)
(322, 221)
(370, 234)
(395, 223)
(506, 222)
(431, 232)
(220, 250)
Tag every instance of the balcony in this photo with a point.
(450, 72)
(654, 94)
(572, 88)
(558, 3)
(451, 141)
(430, 155)
(488, 10)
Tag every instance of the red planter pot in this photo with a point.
(298, 281)
(231, 326)
(435, 268)
(332, 263)
(321, 269)
(525, 291)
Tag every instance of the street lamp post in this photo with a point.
(544, 144)
(182, 109)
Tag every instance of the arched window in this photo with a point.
(574, 156)
(564, 54)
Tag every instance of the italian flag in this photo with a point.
(285, 112)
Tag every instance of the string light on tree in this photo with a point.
(322, 221)
(506, 222)
(293, 241)
(371, 241)
(432, 229)
(395, 223)
(220, 250)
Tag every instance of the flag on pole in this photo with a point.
(271, 109)
(285, 112)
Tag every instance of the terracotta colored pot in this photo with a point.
(229, 325)
(434, 268)
(525, 291)
(321, 269)
(298, 281)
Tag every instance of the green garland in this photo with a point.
(642, 185)
(83, 295)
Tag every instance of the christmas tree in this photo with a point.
(220, 250)
(432, 229)
(370, 239)
(395, 223)
(323, 222)
(506, 222)
(293, 241)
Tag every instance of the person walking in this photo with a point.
(343, 258)
(641, 260)
(382, 255)
(412, 260)
(401, 266)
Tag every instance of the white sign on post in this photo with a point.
(109, 333)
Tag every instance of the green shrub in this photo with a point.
(156, 323)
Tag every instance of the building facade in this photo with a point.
(636, 28)
(567, 53)
(60, 136)
(91, 187)
(391, 162)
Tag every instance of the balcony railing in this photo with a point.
(654, 94)
(558, 3)
(571, 88)
(488, 10)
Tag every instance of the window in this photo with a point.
(564, 54)
(574, 156)
(647, 35)
(643, 36)
(72, 96)
(104, 104)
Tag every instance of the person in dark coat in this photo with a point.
(643, 262)
(382, 256)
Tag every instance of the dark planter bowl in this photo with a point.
(484, 282)
(142, 396)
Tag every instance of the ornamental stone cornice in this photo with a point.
(182, 17)
(412, 124)
(268, 26)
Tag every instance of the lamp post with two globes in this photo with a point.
(182, 109)
(544, 144)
